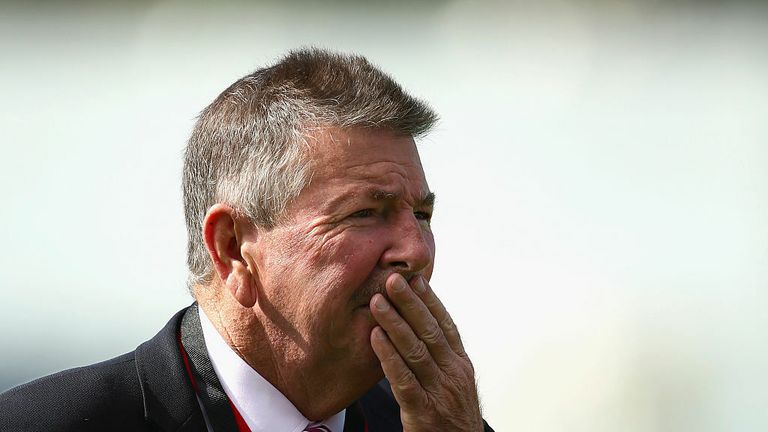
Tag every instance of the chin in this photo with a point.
(367, 376)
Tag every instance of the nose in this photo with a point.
(412, 247)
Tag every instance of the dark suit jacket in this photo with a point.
(145, 390)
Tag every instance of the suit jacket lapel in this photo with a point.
(169, 400)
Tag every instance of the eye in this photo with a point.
(362, 213)
(423, 216)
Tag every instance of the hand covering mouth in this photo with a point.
(363, 296)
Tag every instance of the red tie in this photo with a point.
(316, 427)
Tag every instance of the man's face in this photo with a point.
(365, 214)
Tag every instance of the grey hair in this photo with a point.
(248, 148)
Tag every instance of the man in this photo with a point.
(310, 252)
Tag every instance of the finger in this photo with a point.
(437, 309)
(419, 317)
(411, 349)
(405, 386)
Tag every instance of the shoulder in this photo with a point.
(146, 389)
(104, 393)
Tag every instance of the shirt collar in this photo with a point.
(262, 406)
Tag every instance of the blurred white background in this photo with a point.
(601, 171)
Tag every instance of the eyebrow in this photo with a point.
(427, 200)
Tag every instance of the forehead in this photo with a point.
(362, 156)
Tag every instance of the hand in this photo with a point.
(422, 355)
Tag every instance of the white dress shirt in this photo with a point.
(262, 406)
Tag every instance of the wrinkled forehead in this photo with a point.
(358, 151)
(355, 166)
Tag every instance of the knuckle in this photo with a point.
(418, 353)
(393, 357)
(448, 324)
(454, 371)
(432, 335)
(470, 366)
(401, 327)
(433, 303)
(410, 395)
(459, 370)
(406, 381)
(468, 371)
(411, 304)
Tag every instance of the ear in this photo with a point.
(223, 231)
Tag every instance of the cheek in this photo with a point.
(331, 268)
(350, 249)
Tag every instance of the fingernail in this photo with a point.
(400, 284)
(378, 333)
(380, 303)
(420, 286)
